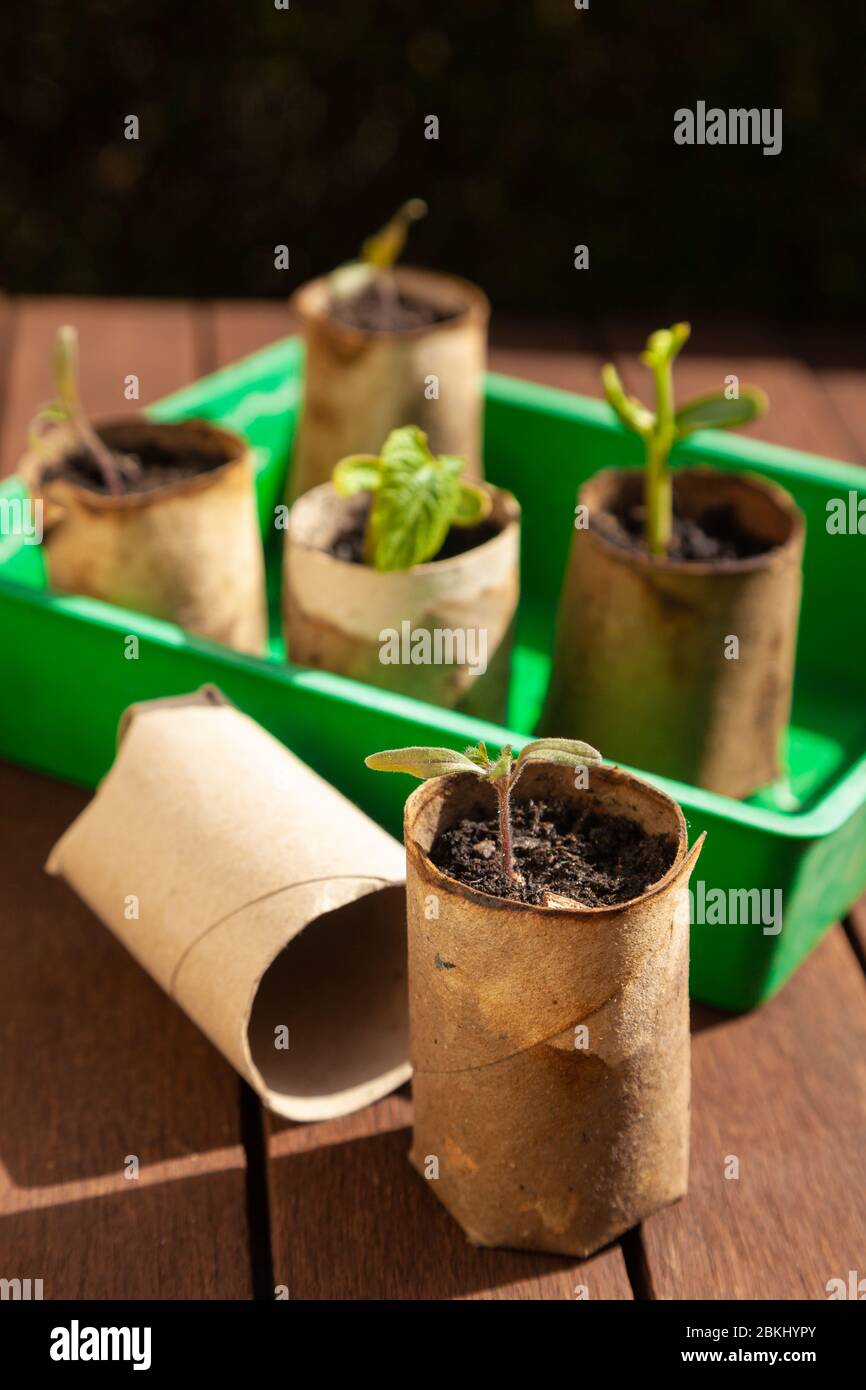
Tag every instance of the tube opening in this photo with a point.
(329, 1028)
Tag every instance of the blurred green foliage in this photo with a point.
(305, 126)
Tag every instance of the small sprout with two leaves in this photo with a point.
(502, 772)
(379, 252)
(67, 410)
(661, 429)
(417, 498)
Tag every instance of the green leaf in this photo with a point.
(384, 248)
(66, 369)
(681, 332)
(451, 463)
(417, 498)
(410, 517)
(407, 445)
(477, 753)
(664, 345)
(474, 505)
(502, 766)
(357, 473)
(632, 412)
(422, 762)
(564, 752)
(414, 504)
(715, 412)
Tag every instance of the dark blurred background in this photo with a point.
(305, 126)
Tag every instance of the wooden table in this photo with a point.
(98, 1065)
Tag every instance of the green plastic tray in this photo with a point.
(66, 678)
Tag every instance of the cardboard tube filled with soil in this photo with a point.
(264, 903)
(682, 666)
(372, 365)
(550, 1043)
(439, 631)
(179, 541)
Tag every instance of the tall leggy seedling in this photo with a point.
(664, 427)
(66, 409)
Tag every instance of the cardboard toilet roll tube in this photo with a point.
(337, 615)
(267, 905)
(360, 385)
(188, 551)
(644, 666)
(550, 1046)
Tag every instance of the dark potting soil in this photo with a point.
(349, 545)
(380, 308)
(718, 534)
(559, 846)
(144, 470)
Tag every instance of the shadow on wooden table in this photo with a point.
(704, 1017)
(350, 1219)
(176, 1239)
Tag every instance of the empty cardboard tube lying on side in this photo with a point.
(260, 899)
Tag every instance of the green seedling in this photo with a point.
(417, 498)
(68, 411)
(503, 773)
(664, 427)
(379, 252)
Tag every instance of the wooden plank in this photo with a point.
(351, 1219)
(563, 353)
(801, 416)
(783, 1090)
(570, 371)
(838, 359)
(240, 327)
(98, 1066)
(846, 389)
(151, 339)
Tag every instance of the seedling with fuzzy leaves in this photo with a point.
(417, 498)
(661, 429)
(503, 772)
